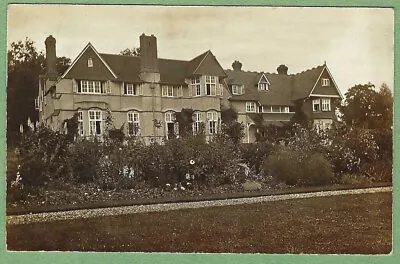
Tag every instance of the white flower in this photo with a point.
(191, 162)
(183, 188)
(167, 184)
(187, 176)
(120, 148)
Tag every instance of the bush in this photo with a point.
(43, 156)
(253, 154)
(302, 169)
(355, 179)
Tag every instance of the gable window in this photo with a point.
(210, 85)
(195, 86)
(90, 87)
(90, 62)
(81, 132)
(212, 118)
(196, 122)
(325, 81)
(171, 91)
(326, 104)
(263, 86)
(133, 123)
(251, 107)
(95, 122)
(316, 105)
(237, 89)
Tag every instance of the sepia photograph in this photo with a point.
(199, 129)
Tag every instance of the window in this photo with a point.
(133, 124)
(211, 85)
(237, 89)
(37, 107)
(171, 91)
(90, 87)
(263, 86)
(278, 109)
(90, 62)
(130, 89)
(196, 122)
(326, 104)
(172, 129)
(212, 118)
(95, 122)
(195, 86)
(251, 107)
(325, 82)
(81, 132)
(316, 105)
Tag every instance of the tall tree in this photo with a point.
(130, 52)
(367, 108)
(24, 65)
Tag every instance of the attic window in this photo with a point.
(237, 89)
(263, 86)
(90, 62)
(325, 82)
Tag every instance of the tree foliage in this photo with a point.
(24, 65)
(367, 108)
(130, 52)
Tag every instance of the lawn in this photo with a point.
(354, 224)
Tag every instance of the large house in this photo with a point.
(143, 93)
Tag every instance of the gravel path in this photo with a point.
(89, 213)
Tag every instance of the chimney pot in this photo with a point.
(237, 65)
(282, 69)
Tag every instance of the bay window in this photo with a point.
(196, 122)
(195, 86)
(210, 85)
(133, 123)
(212, 118)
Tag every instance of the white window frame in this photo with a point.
(171, 91)
(133, 122)
(196, 122)
(81, 127)
(90, 87)
(95, 116)
(237, 89)
(131, 89)
(195, 86)
(263, 86)
(326, 104)
(211, 82)
(316, 102)
(212, 118)
(325, 82)
(90, 62)
(251, 107)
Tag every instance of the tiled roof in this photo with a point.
(127, 68)
(283, 88)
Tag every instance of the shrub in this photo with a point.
(285, 165)
(316, 170)
(43, 156)
(355, 179)
(296, 168)
(253, 154)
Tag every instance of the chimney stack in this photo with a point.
(51, 58)
(236, 65)
(148, 54)
(282, 69)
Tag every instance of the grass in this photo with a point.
(354, 224)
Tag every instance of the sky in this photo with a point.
(356, 43)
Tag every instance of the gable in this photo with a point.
(264, 79)
(210, 66)
(79, 68)
(331, 89)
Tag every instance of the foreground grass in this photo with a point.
(354, 224)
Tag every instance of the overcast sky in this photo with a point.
(356, 43)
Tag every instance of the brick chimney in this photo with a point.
(236, 65)
(282, 69)
(148, 54)
(51, 58)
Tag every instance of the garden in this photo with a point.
(50, 169)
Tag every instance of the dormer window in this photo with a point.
(263, 86)
(237, 89)
(90, 62)
(325, 82)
